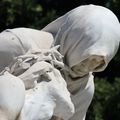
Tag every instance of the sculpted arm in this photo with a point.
(49, 97)
(12, 96)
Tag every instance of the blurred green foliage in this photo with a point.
(106, 102)
(38, 13)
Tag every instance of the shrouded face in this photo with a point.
(94, 63)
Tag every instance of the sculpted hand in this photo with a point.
(33, 74)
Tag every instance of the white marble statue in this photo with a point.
(15, 42)
(12, 96)
(46, 91)
(88, 37)
(49, 96)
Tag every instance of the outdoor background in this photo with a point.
(38, 13)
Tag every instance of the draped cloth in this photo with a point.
(89, 38)
(86, 31)
(18, 41)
